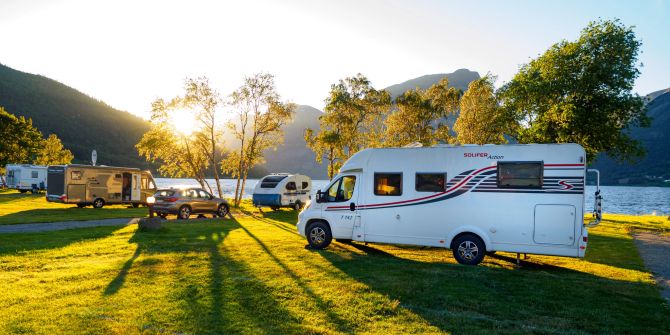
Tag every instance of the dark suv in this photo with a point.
(184, 202)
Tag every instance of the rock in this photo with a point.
(150, 224)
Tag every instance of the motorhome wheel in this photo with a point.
(98, 203)
(184, 212)
(223, 210)
(318, 235)
(468, 249)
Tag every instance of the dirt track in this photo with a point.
(655, 251)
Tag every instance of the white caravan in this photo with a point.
(471, 199)
(282, 190)
(26, 177)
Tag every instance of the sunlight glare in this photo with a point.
(183, 121)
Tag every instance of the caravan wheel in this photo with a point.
(98, 203)
(297, 206)
(468, 249)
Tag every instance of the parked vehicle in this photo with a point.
(26, 177)
(282, 190)
(98, 186)
(188, 201)
(471, 199)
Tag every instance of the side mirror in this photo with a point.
(319, 196)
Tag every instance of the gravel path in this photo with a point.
(51, 226)
(655, 251)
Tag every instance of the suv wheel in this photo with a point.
(98, 203)
(223, 210)
(184, 212)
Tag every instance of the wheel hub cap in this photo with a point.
(468, 250)
(317, 235)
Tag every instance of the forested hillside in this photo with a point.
(82, 123)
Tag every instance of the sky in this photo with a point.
(128, 53)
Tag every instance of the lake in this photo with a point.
(616, 199)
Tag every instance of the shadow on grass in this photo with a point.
(23, 242)
(231, 300)
(70, 214)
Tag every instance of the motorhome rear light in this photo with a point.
(585, 239)
(63, 197)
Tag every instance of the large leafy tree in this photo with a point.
(481, 120)
(19, 140)
(52, 152)
(258, 126)
(581, 91)
(421, 116)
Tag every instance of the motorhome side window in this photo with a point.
(75, 175)
(291, 186)
(431, 182)
(520, 174)
(33, 174)
(388, 184)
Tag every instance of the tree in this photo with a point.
(481, 120)
(580, 92)
(260, 117)
(19, 140)
(52, 152)
(353, 120)
(421, 116)
(176, 152)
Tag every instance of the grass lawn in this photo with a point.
(253, 275)
(28, 208)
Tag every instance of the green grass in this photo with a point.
(28, 208)
(253, 275)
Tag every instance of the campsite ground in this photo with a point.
(253, 274)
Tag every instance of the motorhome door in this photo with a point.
(340, 198)
(136, 193)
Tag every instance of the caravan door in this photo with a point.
(136, 187)
(340, 198)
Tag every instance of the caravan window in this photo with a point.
(271, 181)
(291, 186)
(33, 174)
(520, 174)
(431, 182)
(75, 175)
(305, 185)
(388, 184)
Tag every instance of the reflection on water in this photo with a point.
(616, 199)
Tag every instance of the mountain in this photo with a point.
(294, 156)
(82, 123)
(459, 79)
(655, 166)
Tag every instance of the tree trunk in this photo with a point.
(244, 181)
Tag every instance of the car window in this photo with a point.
(192, 194)
(204, 194)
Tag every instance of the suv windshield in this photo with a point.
(271, 181)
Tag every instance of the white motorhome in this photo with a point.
(26, 177)
(282, 190)
(85, 185)
(471, 199)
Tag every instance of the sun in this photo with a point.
(183, 121)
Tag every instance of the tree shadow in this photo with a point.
(70, 214)
(24, 242)
(535, 297)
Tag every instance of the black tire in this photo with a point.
(343, 240)
(297, 206)
(273, 208)
(81, 205)
(135, 204)
(23, 191)
(184, 212)
(319, 235)
(222, 211)
(468, 249)
(98, 203)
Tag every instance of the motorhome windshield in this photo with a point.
(271, 181)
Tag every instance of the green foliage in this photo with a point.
(52, 152)
(421, 116)
(580, 92)
(19, 141)
(481, 120)
(260, 117)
